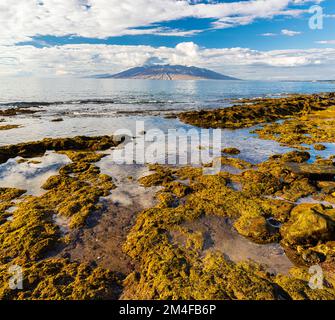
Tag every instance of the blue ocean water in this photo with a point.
(103, 97)
(94, 107)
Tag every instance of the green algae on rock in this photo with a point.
(258, 111)
(9, 126)
(293, 156)
(319, 220)
(17, 111)
(76, 192)
(170, 270)
(38, 148)
(320, 147)
(31, 235)
(60, 279)
(231, 151)
(313, 128)
(309, 225)
(166, 269)
(7, 196)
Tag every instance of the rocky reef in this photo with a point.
(18, 111)
(264, 210)
(287, 200)
(311, 129)
(253, 112)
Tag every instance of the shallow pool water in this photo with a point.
(31, 174)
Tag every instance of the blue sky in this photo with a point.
(246, 38)
(249, 35)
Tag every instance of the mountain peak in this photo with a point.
(167, 72)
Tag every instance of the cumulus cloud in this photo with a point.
(86, 59)
(24, 19)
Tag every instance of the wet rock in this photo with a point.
(327, 187)
(320, 147)
(231, 151)
(293, 156)
(9, 127)
(38, 148)
(259, 111)
(16, 111)
(257, 229)
(309, 223)
(313, 128)
(315, 171)
(60, 279)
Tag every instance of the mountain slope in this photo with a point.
(167, 72)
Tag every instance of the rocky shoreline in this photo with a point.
(287, 200)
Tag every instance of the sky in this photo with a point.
(248, 39)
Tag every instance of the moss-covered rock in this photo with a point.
(231, 151)
(320, 147)
(256, 228)
(31, 235)
(9, 127)
(170, 269)
(308, 225)
(38, 148)
(259, 111)
(314, 128)
(60, 279)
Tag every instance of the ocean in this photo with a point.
(94, 107)
(111, 97)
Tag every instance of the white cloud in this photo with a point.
(24, 19)
(85, 59)
(290, 33)
(307, 1)
(326, 42)
(269, 34)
